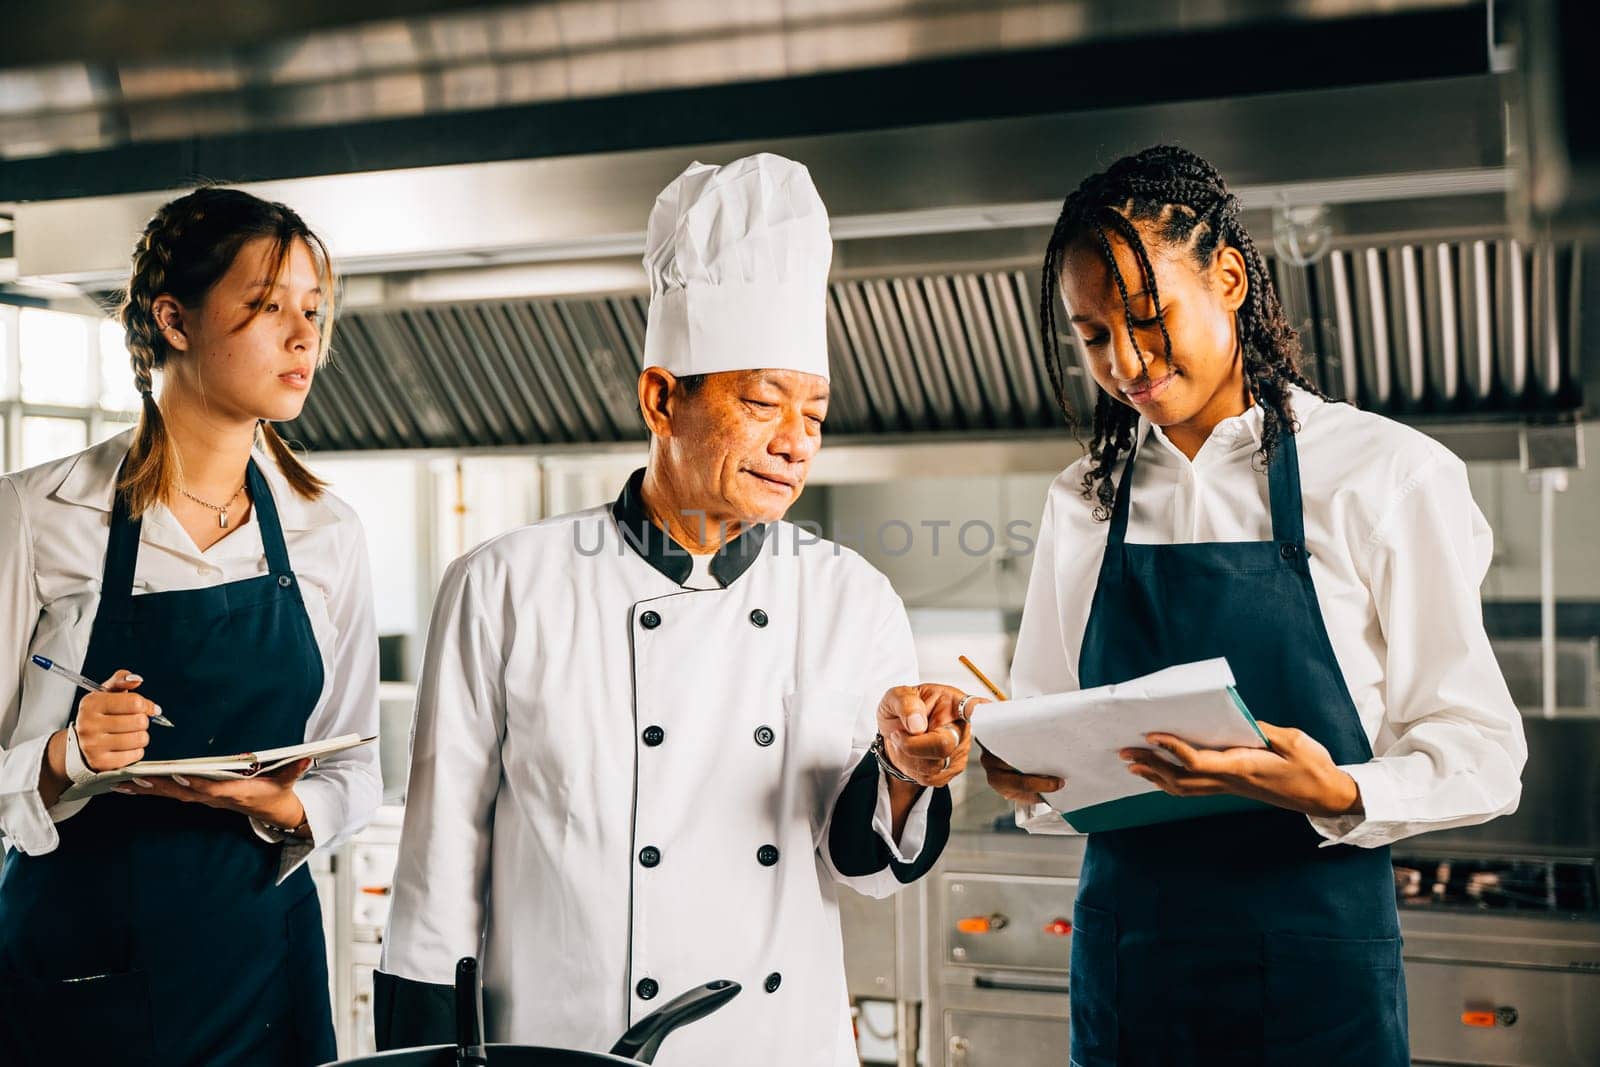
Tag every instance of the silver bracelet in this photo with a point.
(286, 832)
(888, 766)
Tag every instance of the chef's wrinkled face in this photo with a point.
(739, 444)
(1205, 370)
(251, 348)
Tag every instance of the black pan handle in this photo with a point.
(469, 1015)
(644, 1037)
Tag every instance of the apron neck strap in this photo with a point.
(1119, 510)
(1283, 486)
(122, 546)
(267, 519)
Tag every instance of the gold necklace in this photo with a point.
(220, 509)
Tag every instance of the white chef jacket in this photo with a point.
(54, 526)
(1398, 550)
(535, 792)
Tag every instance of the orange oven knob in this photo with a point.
(981, 924)
(1059, 928)
(1489, 1018)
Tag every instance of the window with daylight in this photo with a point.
(65, 383)
(55, 357)
(117, 391)
(45, 438)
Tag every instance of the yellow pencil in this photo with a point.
(973, 667)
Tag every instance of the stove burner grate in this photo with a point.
(1507, 885)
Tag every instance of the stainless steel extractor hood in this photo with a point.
(1441, 331)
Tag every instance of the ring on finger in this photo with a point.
(961, 708)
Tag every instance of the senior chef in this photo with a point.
(655, 737)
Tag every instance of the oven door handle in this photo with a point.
(1020, 984)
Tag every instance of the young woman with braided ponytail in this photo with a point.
(1244, 912)
(176, 923)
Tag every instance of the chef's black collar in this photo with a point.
(658, 549)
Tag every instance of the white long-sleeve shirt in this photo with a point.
(54, 526)
(1398, 550)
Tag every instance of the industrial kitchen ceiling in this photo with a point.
(483, 177)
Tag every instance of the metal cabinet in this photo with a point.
(1502, 1016)
(991, 1039)
(1005, 922)
(355, 888)
(999, 931)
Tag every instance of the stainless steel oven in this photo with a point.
(999, 911)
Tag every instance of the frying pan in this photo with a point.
(638, 1045)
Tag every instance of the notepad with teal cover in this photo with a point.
(1076, 736)
(1147, 809)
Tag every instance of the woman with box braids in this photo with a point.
(1169, 198)
(1267, 553)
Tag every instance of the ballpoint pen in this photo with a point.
(83, 683)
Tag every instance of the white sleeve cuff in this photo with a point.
(1381, 811)
(26, 824)
(909, 847)
(296, 850)
(1041, 819)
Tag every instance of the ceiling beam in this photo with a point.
(1231, 61)
(64, 31)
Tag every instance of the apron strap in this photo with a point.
(1119, 511)
(1283, 485)
(122, 549)
(122, 546)
(267, 520)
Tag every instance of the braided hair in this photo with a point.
(186, 248)
(1181, 201)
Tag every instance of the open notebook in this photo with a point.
(216, 768)
(1077, 736)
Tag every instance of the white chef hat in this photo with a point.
(738, 260)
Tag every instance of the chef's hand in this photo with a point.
(1015, 786)
(1296, 772)
(923, 734)
(267, 797)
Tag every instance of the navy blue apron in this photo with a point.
(1232, 939)
(154, 934)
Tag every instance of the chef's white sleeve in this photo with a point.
(1451, 748)
(25, 824)
(340, 792)
(858, 845)
(437, 912)
(1042, 662)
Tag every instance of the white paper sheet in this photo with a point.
(1077, 736)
